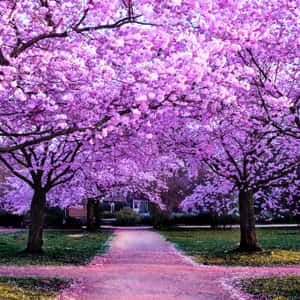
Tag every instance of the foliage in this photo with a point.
(180, 184)
(107, 215)
(62, 248)
(29, 288)
(211, 219)
(127, 217)
(87, 87)
(7, 219)
(215, 220)
(223, 220)
(277, 288)
(53, 217)
(160, 217)
(286, 218)
(281, 246)
(146, 219)
(54, 221)
(72, 223)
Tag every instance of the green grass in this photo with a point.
(62, 248)
(279, 288)
(29, 288)
(208, 246)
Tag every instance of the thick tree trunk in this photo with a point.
(247, 222)
(35, 239)
(90, 214)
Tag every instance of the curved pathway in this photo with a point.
(141, 265)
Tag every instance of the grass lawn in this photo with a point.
(27, 288)
(62, 248)
(209, 246)
(272, 287)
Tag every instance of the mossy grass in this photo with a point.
(278, 288)
(61, 248)
(281, 246)
(29, 288)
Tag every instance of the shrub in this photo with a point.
(7, 219)
(223, 220)
(127, 217)
(286, 218)
(160, 218)
(146, 219)
(53, 221)
(205, 219)
(72, 223)
(107, 215)
(53, 217)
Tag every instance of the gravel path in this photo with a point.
(141, 265)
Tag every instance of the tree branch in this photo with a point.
(19, 175)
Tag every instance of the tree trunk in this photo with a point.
(97, 214)
(35, 238)
(247, 222)
(90, 214)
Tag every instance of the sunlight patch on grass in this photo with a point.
(208, 246)
(279, 288)
(29, 288)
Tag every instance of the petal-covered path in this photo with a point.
(142, 265)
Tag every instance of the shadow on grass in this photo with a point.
(215, 246)
(61, 248)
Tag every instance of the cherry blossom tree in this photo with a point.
(50, 57)
(181, 179)
(253, 102)
(65, 171)
(248, 159)
(215, 194)
(42, 168)
(89, 69)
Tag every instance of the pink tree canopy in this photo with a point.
(214, 80)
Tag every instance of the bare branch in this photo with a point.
(13, 171)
